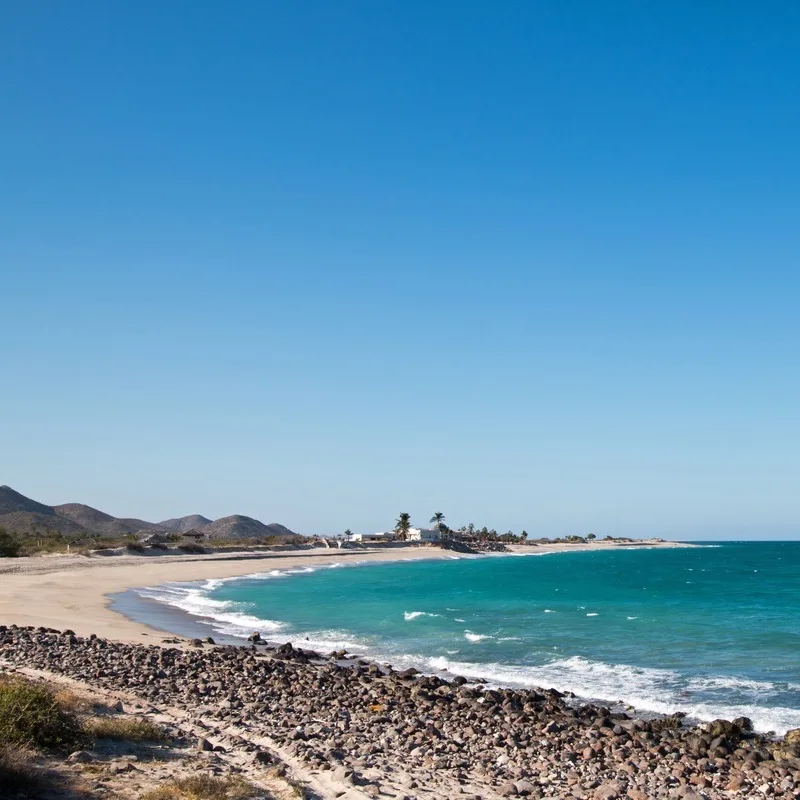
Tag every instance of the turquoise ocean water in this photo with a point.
(713, 631)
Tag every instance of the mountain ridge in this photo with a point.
(21, 514)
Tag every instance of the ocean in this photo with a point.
(712, 631)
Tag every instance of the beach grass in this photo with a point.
(205, 787)
(131, 729)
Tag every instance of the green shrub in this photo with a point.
(9, 544)
(30, 716)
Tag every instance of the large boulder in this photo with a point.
(724, 729)
(792, 737)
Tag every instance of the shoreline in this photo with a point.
(99, 595)
(73, 591)
(162, 612)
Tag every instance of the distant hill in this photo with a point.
(31, 522)
(20, 514)
(183, 524)
(240, 527)
(11, 501)
(98, 522)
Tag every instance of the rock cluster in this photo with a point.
(360, 718)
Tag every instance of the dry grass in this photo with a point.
(31, 716)
(132, 729)
(204, 787)
(70, 702)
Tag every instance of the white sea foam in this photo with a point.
(223, 615)
(633, 617)
(646, 689)
(549, 611)
(409, 615)
(457, 619)
(333, 639)
(592, 614)
(475, 637)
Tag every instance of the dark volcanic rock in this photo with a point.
(515, 743)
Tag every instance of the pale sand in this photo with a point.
(71, 591)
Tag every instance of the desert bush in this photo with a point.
(204, 787)
(9, 544)
(132, 729)
(192, 548)
(30, 716)
(135, 547)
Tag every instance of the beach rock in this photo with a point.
(526, 788)
(443, 737)
(744, 724)
(80, 757)
(612, 790)
(792, 737)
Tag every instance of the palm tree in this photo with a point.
(403, 525)
(437, 519)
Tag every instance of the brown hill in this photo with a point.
(183, 524)
(240, 527)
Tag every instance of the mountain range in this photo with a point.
(20, 514)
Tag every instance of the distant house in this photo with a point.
(384, 536)
(193, 535)
(424, 535)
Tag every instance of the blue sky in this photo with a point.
(535, 264)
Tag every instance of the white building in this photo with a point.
(384, 536)
(424, 535)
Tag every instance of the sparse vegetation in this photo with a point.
(31, 716)
(204, 787)
(10, 546)
(132, 729)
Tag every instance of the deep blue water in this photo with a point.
(712, 631)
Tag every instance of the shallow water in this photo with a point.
(713, 631)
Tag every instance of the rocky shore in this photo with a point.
(364, 730)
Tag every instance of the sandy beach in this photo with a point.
(72, 591)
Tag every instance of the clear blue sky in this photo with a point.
(532, 264)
